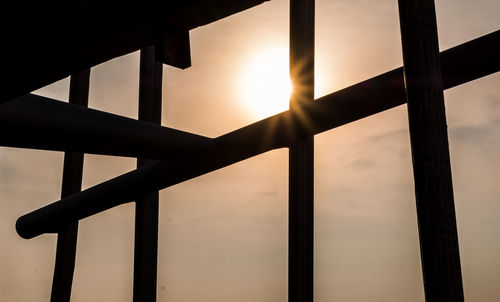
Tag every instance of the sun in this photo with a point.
(266, 82)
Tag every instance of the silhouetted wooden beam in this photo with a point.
(174, 49)
(347, 105)
(301, 157)
(71, 184)
(66, 42)
(146, 208)
(41, 123)
(430, 153)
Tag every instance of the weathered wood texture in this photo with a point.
(71, 184)
(430, 153)
(301, 156)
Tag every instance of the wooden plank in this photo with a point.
(430, 153)
(71, 184)
(146, 208)
(301, 156)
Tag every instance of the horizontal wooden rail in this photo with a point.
(461, 64)
(38, 122)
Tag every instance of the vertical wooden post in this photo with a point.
(430, 153)
(146, 212)
(71, 184)
(301, 156)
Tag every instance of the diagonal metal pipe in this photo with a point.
(461, 64)
(38, 122)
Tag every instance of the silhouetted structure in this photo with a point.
(71, 184)
(429, 147)
(146, 209)
(301, 156)
(41, 123)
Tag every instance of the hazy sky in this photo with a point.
(223, 236)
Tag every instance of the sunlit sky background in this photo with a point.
(223, 236)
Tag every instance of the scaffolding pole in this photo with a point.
(146, 207)
(430, 153)
(71, 184)
(301, 156)
(38, 122)
(364, 99)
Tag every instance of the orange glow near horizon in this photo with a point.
(266, 82)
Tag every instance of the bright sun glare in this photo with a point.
(266, 82)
